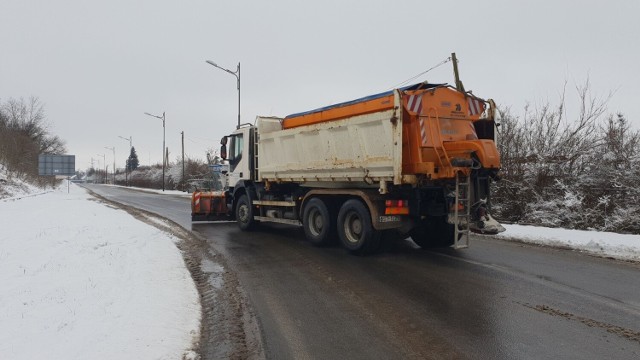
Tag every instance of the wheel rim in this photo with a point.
(243, 213)
(353, 228)
(316, 222)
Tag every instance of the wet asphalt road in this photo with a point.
(497, 299)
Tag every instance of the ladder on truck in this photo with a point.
(256, 139)
(462, 219)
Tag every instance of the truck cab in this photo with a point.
(236, 149)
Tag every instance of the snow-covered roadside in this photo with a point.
(156, 191)
(12, 187)
(606, 244)
(81, 280)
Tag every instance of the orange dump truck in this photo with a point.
(416, 161)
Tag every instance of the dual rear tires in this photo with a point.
(352, 226)
(322, 226)
(318, 222)
(355, 229)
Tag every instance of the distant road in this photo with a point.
(495, 300)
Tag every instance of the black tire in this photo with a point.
(244, 214)
(355, 229)
(319, 225)
(434, 232)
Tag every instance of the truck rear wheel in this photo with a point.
(319, 226)
(244, 214)
(355, 229)
(433, 232)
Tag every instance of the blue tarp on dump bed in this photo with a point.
(367, 98)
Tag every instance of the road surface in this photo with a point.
(496, 299)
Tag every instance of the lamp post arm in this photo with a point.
(234, 73)
(237, 75)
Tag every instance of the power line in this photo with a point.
(422, 73)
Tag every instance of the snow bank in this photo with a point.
(12, 187)
(156, 191)
(81, 280)
(619, 246)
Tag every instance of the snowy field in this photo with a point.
(81, 280)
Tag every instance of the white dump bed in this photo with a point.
(362, 149)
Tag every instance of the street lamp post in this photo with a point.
(182, 160)
(237, 75)
(128, 139)
(163, 143)
(104, 161)
(95, 172)
(113, 148)
(126, 169)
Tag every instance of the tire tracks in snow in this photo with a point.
(228, 328)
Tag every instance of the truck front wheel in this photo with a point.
(244, 214)
(318, 225)
(355, 229)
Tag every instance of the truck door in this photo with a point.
(239, 156)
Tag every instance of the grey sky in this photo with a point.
(98, 66)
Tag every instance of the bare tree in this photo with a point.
(24, 135)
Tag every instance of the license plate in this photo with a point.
(389, 218)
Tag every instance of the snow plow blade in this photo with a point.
(209, 206)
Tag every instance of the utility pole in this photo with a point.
(182, 160)
(459, 85)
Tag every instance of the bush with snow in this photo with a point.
(578, 174)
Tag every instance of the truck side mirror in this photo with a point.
(223, 141)
(223, 151)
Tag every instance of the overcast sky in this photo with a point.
(98, 66)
